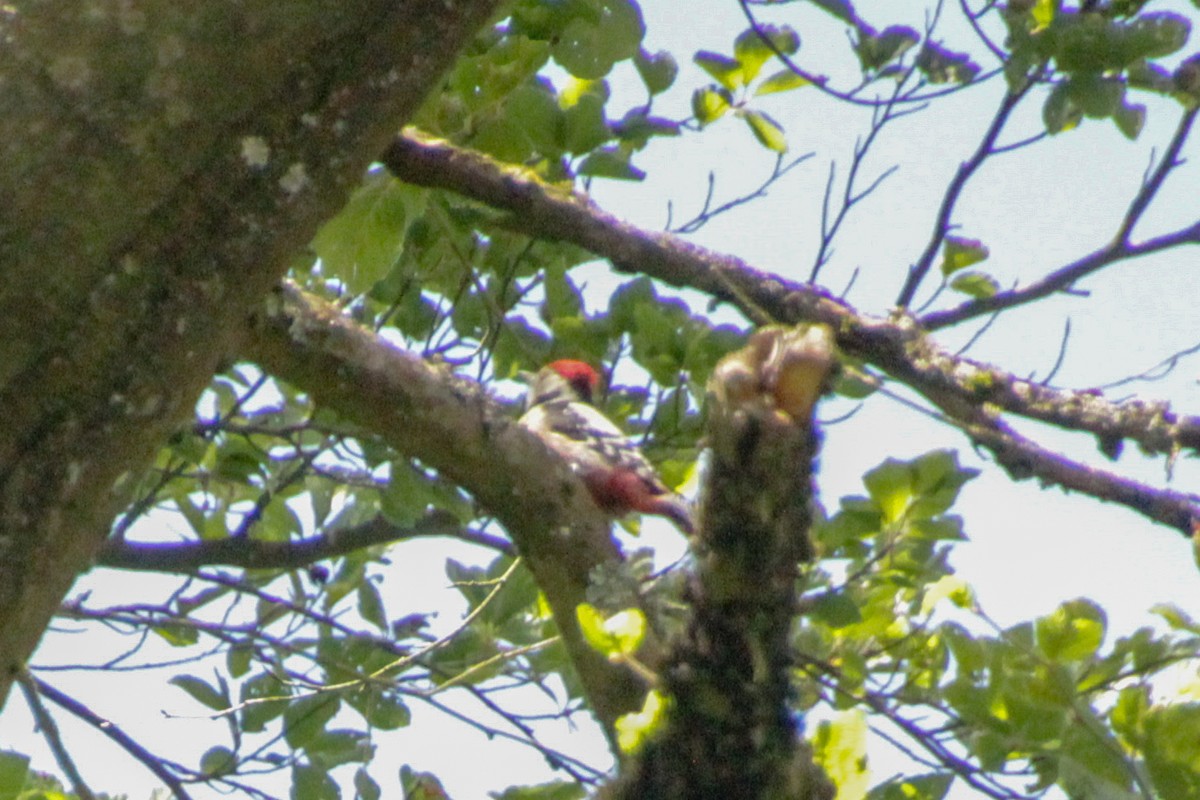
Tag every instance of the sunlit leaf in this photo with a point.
(710, 103)
(618, 635)
(1073, 632)
(14, 770)
(841, 749)
(975, 284)
(752, 52)
(634, 728)
(783, 81)
(724, 70)
(768, 132)
(959, 253)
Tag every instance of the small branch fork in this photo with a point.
(1119, 249)
(898, 346)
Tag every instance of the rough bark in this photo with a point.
(728, 730)
(161, 163)
(450, 424)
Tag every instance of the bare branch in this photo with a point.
(966, 170)
(1063, 279)
(143, 756)
(1119, 249)
(260, 554)
(897, 345)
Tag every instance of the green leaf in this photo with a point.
(975, 284)
(370, 605)
(842, 9)
(890, 487)
(657, 71)
(584, 126)
(840, 748)
(310, 782)
(941, 65)
(534, 111)
(1130, 118)
(238, 659)
(385, 711)
(14, 771)
(202, 692)
(723, 69)
(1176, 617)
(1172, 757)
(218, 761)
(1095, 96)
(363, 241)
(921, 787)
(1093, 766)
(1059, 113)
(837, 610)
(264, 698)
(305, 718)
(783, 81)
(555, 790)
(637, 127)
(710, 103)
(877, 50)
(959, 253)
(635, 728)
(177, 634)
(947, 587)
(365, 787)
(752, 52)
(768, 132)
(331, 749)
(592, 43)
(610, 162)
(1073, 632)
(619, 635)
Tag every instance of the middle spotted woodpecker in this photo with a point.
(621, 480)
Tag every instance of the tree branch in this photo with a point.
(151, 204)
(449, 423)
(897, 346)
(728, 725)
(255, 554)
(966, 170)
(1119, 249)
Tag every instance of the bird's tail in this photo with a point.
(676, 509)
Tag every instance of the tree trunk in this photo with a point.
(161, 163)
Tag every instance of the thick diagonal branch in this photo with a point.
(450, 424)
(897, 346)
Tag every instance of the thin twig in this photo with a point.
(123, 740)
(966, 171)
(32, 691)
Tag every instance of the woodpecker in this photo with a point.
(560, 410)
